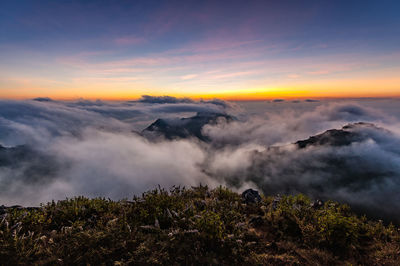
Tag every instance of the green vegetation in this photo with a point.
(194, 226)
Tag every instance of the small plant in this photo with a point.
(211, 225)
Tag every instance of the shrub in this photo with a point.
(194, 226)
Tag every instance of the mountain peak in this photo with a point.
(354, 132)
(184, 127)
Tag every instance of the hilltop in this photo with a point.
(184, 127)
(194, 226)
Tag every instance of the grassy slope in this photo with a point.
(194, 226)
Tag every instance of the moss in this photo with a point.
(194, 226)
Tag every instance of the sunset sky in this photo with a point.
(235, 50)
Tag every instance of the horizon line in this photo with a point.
(232, 99)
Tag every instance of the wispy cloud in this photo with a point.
(190, 76)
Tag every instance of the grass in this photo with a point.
(194, 226)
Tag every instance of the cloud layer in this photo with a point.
(93, 148)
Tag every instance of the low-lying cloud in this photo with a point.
(94, 148)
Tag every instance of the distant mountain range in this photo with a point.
(191, 127)
(181, 128)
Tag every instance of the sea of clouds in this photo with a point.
(94, 148)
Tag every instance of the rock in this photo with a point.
(251, 196)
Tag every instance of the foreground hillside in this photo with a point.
(194, 226)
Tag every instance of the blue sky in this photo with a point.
(122, 49)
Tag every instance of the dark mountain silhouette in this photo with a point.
(349, 134)
(184, 127)
(32, 165)
(13, 156)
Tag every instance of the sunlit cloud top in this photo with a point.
(200, 49)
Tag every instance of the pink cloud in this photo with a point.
(319, 72)
(234, 75)
(293, 76)
(218, 44)
(336, 67)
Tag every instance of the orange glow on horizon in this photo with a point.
(237, 96)
(382, 88)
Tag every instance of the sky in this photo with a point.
(233, 50)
